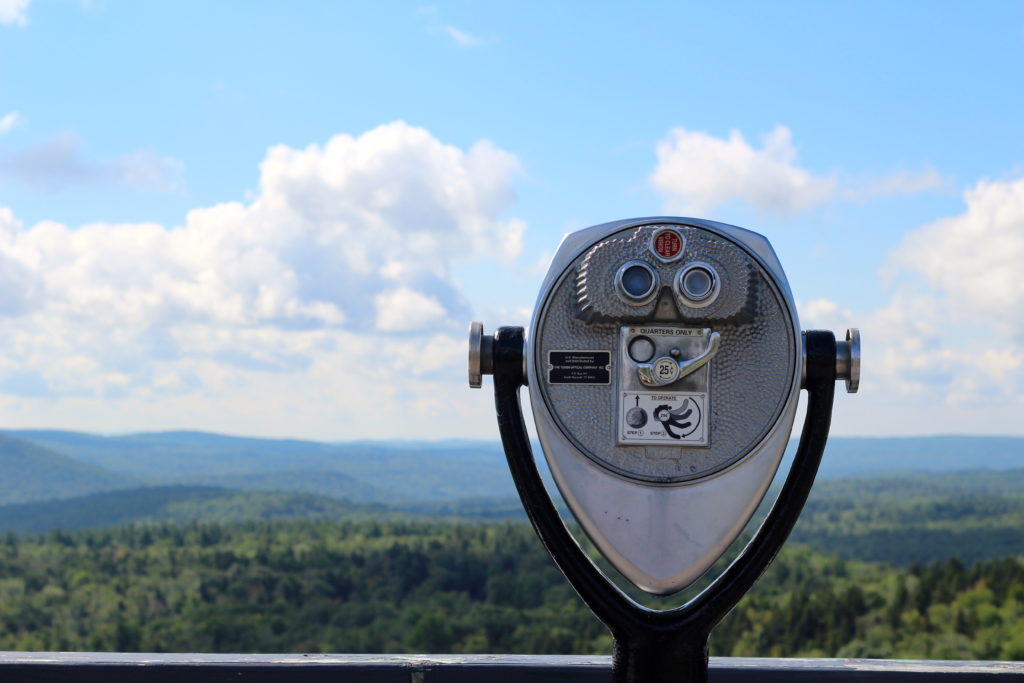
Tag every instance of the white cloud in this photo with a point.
(697, 172)
(951, 335)
(14, 12)
(9, 121)
(337, 275)
(458, 36)
(826, 314)
(974, 260)
(902, 183)
(461, 38)
(57, 164)
(406, 310)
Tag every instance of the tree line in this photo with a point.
(405, 586)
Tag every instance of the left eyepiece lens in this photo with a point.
(637, 281)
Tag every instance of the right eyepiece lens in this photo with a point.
(698, 282)
(637, 281)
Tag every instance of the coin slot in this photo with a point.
(641, 349)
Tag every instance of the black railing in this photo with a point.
(96, 667)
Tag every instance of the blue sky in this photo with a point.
(879, 146)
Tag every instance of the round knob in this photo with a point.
(636, 417)
(666, 370)
(481, 354)
(848, 360)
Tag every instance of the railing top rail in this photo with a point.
(119, 667)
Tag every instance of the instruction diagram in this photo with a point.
(663, 418)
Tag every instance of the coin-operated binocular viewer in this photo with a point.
(664, 363)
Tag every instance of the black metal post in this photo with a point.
(673, 654)
(660, 646)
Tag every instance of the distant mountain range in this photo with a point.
(361, 472)
(895, 500)
(39, 465)
(847, 456)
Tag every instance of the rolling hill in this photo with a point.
(30, 472)
(894, 519)
(180, 504)
(396, 472)
(846, 456)
(917, 517)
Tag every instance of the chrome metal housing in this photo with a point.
(663, 535)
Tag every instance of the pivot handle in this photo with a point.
(481, 354)
(848, 360)
(665, 370)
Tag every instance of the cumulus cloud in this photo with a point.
(697, 172)
(406, 310)
(14, 12)
(346, 250)
(57, 164)
(974, 260)
(953, 325)
(9, 121)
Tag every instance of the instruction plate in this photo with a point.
(663, 418)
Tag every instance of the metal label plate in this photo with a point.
(579, 367)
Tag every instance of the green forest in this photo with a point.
(185, 542)
(454, 586)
